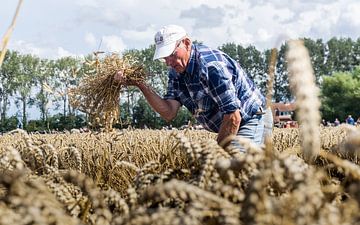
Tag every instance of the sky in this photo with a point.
(57, 28)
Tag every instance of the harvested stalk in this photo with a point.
(99, 95)
(8, 33)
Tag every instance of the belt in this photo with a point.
(260, 111)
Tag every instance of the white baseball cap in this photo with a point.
(166, 39)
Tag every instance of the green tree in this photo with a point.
(66, 76)
(9, 70)
(258, 67)
(44, 96)
(145, 116)
(281, 83)
(340, 55)
(131, 94)
(231, 49)
(317, 55)
(9, 123)
(24, 83)
(340, 95)
(356, 53)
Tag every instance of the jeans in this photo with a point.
(268, 123)
(256, 129)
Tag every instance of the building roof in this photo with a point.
(284, 107)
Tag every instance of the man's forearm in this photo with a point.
(229, 125)
(163, 107)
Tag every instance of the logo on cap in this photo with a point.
(159, 39)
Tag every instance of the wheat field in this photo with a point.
(177, 177)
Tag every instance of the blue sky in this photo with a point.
(52, 29)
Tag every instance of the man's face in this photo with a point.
(178, 60)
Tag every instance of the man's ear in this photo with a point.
(187, 43)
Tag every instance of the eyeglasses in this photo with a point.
(175, 50)
(173, 54)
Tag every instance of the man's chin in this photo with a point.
(179, 69)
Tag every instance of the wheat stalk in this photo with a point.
(302, 84)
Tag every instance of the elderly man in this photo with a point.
(210, 84)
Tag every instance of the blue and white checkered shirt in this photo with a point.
(212, 85)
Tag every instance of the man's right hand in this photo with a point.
(119, 77)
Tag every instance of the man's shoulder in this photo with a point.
(207, 55)
(205, 51)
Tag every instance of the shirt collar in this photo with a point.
(192, 61)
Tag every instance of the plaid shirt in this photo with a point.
(212, 85)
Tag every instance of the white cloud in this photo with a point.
(26, 48)
(137, 38)
(91, 3)
(61, 52)
(113, 43)
(42, 52)
(133, 23)
(263, 35)
(282, 15)
(90, 39)
(238, 34)
(352, 14)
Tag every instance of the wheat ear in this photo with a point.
(302, 84)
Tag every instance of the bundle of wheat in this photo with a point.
(98, 95)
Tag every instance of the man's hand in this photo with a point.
(119, 77)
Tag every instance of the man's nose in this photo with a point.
(168, 61)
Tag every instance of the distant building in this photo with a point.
(284, 114)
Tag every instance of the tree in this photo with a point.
(66, 71)
(340, 95)
(9, 70)
(230, 49)
(339, 55)
(257, 67)
(43, 96)
(317, 55)
(281, 83)
(145, 116)
(131, 93)
(24, 82)
(356, 53)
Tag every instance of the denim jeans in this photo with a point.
(268, 123)
(256, 129)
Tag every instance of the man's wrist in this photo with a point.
(141, 85)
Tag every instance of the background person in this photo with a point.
(350, 120)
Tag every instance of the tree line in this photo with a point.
(30, 81)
